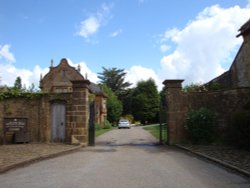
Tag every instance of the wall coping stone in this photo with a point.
(173, 83)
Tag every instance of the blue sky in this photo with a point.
(175, 39)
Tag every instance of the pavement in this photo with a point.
(18, 155)
(227, 156)
(124, 158)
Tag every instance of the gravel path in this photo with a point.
(122, 159)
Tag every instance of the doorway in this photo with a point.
(58, 123)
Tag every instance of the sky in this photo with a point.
(194, 40)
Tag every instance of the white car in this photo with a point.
(123, 123)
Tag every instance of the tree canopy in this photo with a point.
(114, 78)
(114, 106)
(145, 101)
(18, 83)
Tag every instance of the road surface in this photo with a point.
(124, 159)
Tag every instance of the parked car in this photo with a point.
(123, 123)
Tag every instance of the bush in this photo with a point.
(98, 126)
(201, 125)
(239, 129)
(129, 117)
(107, 125)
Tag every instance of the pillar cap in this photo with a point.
(173, 83)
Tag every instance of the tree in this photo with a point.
(194, 87)
(146, 101)
(18, 83)
(114, 106)
(115, 79)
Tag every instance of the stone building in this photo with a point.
(60, 80)
(232, 96)
(239, 73)
(60, 114)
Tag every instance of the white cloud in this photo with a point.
(9, 73)
(138, 73)
(116, 33)
(164, 47)
(93, 23)
(89, 26)
(6, 54)
(204, 45)
(85, 71)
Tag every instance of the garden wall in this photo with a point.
(224, 103)
(43, 124)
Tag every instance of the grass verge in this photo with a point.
(155, 131)
(102, 131)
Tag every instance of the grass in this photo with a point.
(101, 131)
(155, 131)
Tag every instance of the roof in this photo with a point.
(245, 29)
(95, 89)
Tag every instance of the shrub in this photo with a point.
(194, 87)
(98, 126)
(201, 125)
(129, 117)
(239, 129)
(106, 125)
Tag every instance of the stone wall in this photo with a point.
(239, 73)
(224, 103)
(39, 114)
(36, 111)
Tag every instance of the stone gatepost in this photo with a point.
(176, 111)
(79, 114)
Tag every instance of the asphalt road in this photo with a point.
(124, 159)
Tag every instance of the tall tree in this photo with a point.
(114, 78)
(114, 106)
(146, 101)
(18, 83)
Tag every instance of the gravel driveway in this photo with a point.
(124, 159)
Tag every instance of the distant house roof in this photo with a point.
(245, 29)
(95, 89)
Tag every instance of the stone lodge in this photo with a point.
(61, 114)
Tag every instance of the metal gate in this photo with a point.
(163, 131)
(92, 124)
(58, 123)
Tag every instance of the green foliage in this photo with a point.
(239, 129)
(128, 117)
(145, 101)
(16, 93)
(215, 86)
(18, 83)
(98, 127)
(194, 87)
(115, 79)
(127, 101)
(114, 106)
(107, 125)
(201, 126)
(99, 130)
(155, 131)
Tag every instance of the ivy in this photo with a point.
(17, 93)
